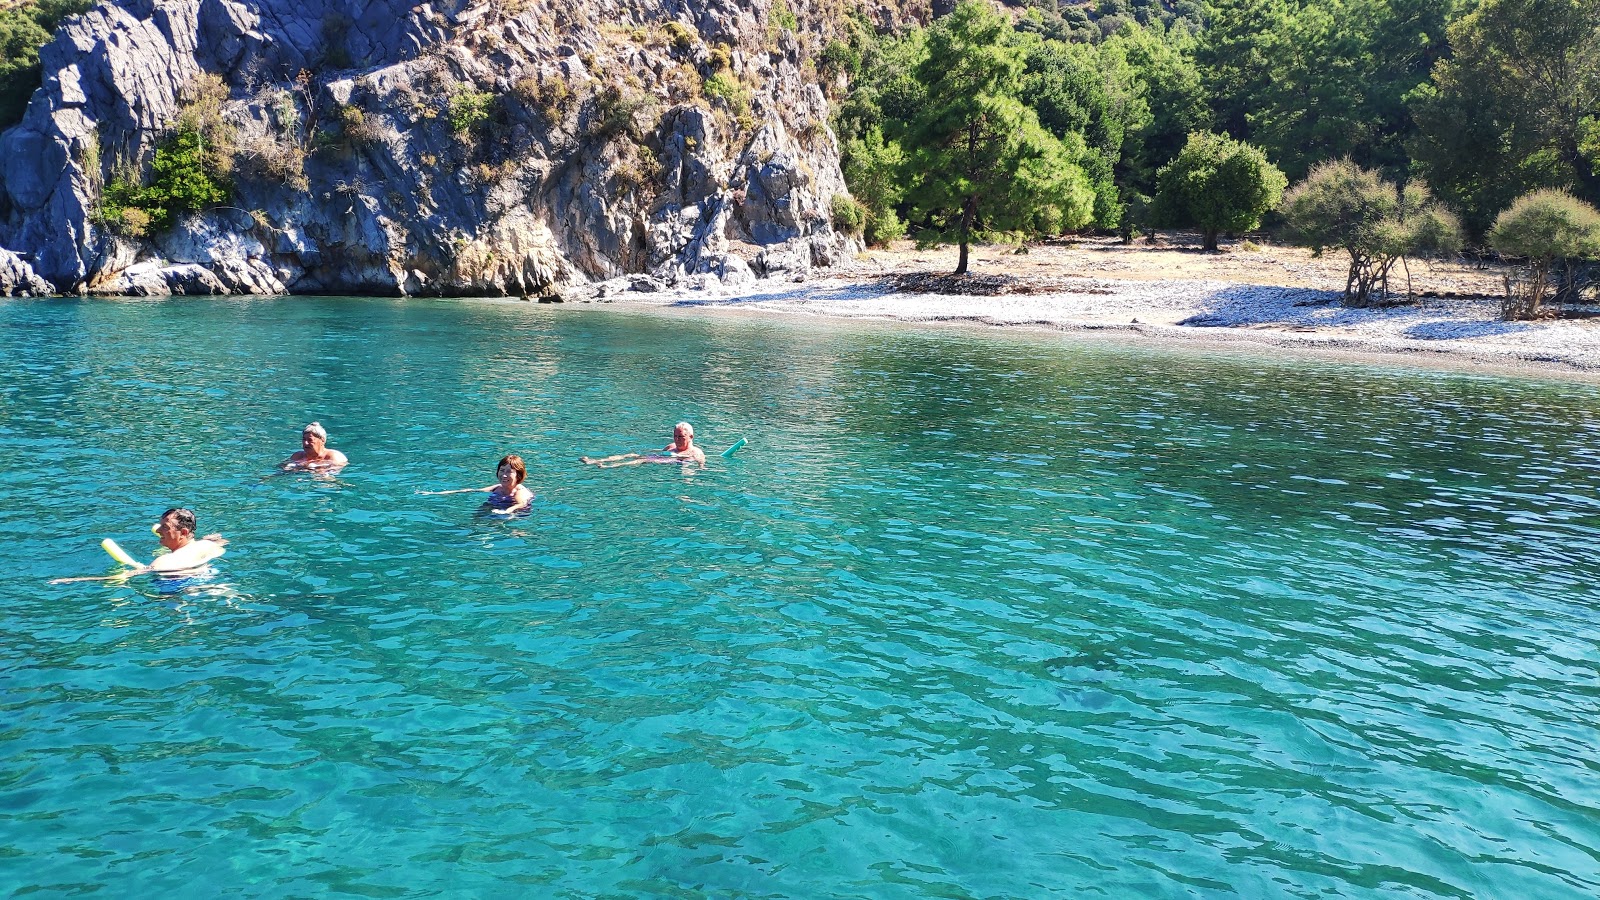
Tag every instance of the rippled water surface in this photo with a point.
(973, 615)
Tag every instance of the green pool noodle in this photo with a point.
(734, 449)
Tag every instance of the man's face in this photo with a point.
(172, 534)
(681, 436)
(312, 444)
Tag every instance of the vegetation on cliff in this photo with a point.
(24, 28)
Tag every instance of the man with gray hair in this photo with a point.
(681, 450)
(315, 452)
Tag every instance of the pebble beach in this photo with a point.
(1274, 299)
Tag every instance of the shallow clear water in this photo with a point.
(974, 615)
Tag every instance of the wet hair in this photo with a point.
(183, 517)
(316, 430)
(516, 464)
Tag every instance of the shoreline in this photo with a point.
(1462, 332)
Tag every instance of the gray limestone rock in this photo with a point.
(17, 278)
(139, 280)
(192, 279)
(444, 148)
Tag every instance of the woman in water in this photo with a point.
(509, 495)
(681, 450)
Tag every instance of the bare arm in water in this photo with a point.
(187, 558)
(608, 462)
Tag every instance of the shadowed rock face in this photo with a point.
(510, 147)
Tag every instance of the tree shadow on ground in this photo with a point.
(1453, 329)
(1251, 304)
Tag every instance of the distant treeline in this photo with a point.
(1482, 101)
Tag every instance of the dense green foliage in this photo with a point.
(1089, 92)
(1543, 226)
(189, 172)
(849, 217)
(183, 178)
(977, 161)
(25, 28)
(1479, 100)
(1343, 205)
(1217, 184)
(468, 110)
(1515, 107)
(872, 169)
(1310, 81)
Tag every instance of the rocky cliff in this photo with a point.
(457, 147)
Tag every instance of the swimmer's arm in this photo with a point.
(129, 573)
(458, 491)
(217, 539)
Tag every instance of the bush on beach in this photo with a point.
(1542, 226)
(1217, 184)
(1342, 205)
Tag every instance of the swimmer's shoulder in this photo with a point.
(192, 555)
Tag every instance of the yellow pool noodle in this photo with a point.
(119, 554)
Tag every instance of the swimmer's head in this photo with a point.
(683, 431)
(515, 464)
(313, 438)
(175, 528)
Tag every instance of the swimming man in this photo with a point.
(315, 452)
(681, 450)
(185, 552)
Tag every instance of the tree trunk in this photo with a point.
(1210, 238)
(1541, 277)
(969, 214)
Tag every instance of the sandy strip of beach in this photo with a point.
(1455, 332)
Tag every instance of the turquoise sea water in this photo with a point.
(973, 615)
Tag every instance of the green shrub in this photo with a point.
(1217, 184)
(1343, 205)
(681, 37)
(839, 58)
(783, 17)
(1543, 226)
(468, 110)
(24, 28)
(730, 90)
(849, 217)
(871, 169)
(183, 178)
